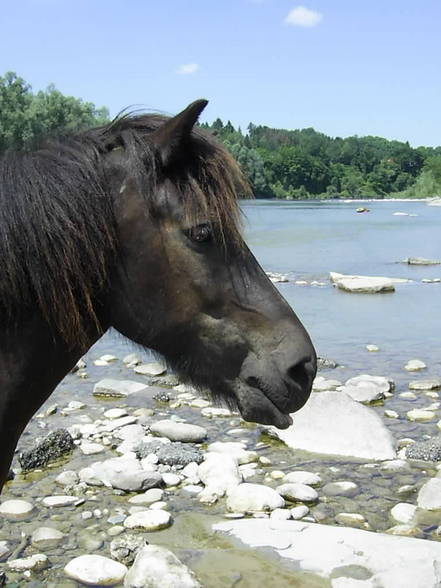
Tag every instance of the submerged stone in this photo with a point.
(53, 446)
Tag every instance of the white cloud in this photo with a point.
(187, 69)
(303, 17)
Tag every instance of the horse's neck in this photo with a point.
(32, 363)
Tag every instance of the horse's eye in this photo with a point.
(200, 233)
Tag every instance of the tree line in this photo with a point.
(280, 163)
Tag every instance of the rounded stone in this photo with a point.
(149, 497)
(420, 415)
(302, 477)
(148, 520)
(16, 509)
(403, 512)
(342, 488)
(297, 492)
(298, 512)
(46, 537)
(414, 365)
(253, 498)
(67, 478)
(179, 431)
(95, 570)
(59, 500)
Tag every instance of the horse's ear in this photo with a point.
(171, 136)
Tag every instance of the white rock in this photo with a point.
(157, 567)
(403, 512)
(352, 519)
(298, 512)
(148, 520)
(363, 284)
(372, 348)
(420, 415)
(132, 359)
(115, 413)
(431, 384)
(46, 538)
(297, 492)
(16, 509)
(171, 479)
(149, 497)
(117, 388)
(59, 500)
(342, 488)
(114, 424)
(332, 423)
(321, 384)
(35, 563)
(234, 448)
(429, 496)
(91, 448)
(150, 369)
(407, 395)
(67, 478)
(414, 365)
(216, 411)
(391, 414)
(253, 498)
(124, 473)
(393, 561)
(179, 431)
(219, 472)
(95, 570)
(281, 514)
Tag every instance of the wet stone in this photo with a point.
(432, 384)
(53, 446)
(171, 453)
(46, 538)
(124, 549)
(297, 492)
(343, 488)
(59, 500)
(302, 477)
(148, 520)
(35, 562)
(428, 450)
(95, 570)
(179, 431)
(16, 509)
(403, 512)
(253, 498)
(67, 478)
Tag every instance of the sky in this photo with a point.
(343, 67)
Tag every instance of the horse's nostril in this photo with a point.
(302, 373)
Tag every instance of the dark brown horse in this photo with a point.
(136, 226)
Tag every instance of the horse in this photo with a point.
(136, 226)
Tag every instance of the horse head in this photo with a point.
(184, 283)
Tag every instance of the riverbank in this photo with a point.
(264, 476)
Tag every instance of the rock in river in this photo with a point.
(157, 567)
(123, 473)
(95, 570)
(363, 284)
(429, 496)
(179, 431)
(426, 450)
(253, 498)
(117, 388)
(332, 423)
(16, 509)
(148, 520)
(52, 447)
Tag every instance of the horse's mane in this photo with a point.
(57, 223)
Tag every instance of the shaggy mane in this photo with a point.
(57, 222)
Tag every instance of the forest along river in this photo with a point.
(304, 241)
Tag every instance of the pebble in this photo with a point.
(149, 497)
(248, 497)
(171, 479)
(183, 432)
(403, 512)
(91, 448)
(157, 567)
(67, 478)
(351, 519)
(343, 488)
(432, 384)
(148, 520)
(420, 415)
(429, 496)
(407, 395)
(372, 348)
(95, 570)
(46, 538)
(281, 514)
(298, 512)
(59, 500)
(153, 368)
(414, 365)
(16, 509)
(391, 414)
(86, 515)
(302, 477)
(117, 388)
(297, 492)
(115, 413)
(35, 562)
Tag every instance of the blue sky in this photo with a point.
(344, 67)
